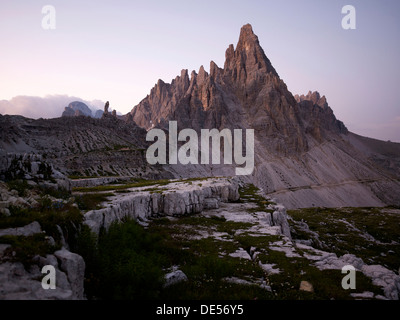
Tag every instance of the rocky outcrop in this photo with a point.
(176, 199)
(106, 106)
(318, 117)
(106, 112)
(74, 267)
(34, 168)
(174, 277)
(24, 282)
(19, 283)
(279, 218)
(387, 279)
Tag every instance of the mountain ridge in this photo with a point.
(304, 156)
(299, 142)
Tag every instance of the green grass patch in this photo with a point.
(326, 283)
(91, 201)
(49, 215)
(136, 183)
(249, 193)
(213, 223)
(21, 186)
(259, 242)
(77, 177)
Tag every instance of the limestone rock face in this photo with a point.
(179, 199)
(247, 93)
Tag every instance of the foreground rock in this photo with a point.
(24, 282)
(174, 199)
(74, 267)
(174, 277)
(19, 283)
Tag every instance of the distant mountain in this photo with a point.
(98, 114)
(304, 156)
(77, 108)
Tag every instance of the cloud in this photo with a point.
(50, 106)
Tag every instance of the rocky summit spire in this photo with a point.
(248, 56)
(247, 92)
(247, 38)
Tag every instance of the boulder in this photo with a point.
(74, 267)
(385, 278)
(279, 218)
(306, 286)
(20, 283)
(174, 277)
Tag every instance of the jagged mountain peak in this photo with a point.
(314, 97)
(201, 76)
(248, 57)
(247, 92)
(77, 108)
(247, 37)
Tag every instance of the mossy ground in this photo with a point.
(202, 245)
(373, 234)
(129, 261)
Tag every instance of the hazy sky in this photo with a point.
(117, 50)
